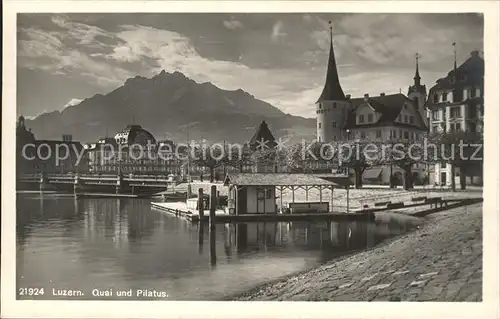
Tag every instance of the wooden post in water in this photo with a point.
(211, 221)
(201, 212)
(201, 207)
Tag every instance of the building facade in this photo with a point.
(456, 103)
(385, 117)
(133, 150)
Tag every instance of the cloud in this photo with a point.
(85, 34)
(41, 50)
(233, 24)
(277, 32)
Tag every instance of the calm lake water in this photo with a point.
(122, 244)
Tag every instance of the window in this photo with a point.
(436, 98)
(370, 118)
(394, 134)
(453, 80)
(407, 135)
(400, 134)
(412, 119)
(320, 105)
(406, 118)
(455, 112)
(361, 119)
(335, 138)
(444, 97)
(379, 133)
(435, 115)
(334, 124)
(263, 193)
(319, 125)
(435, 128)
(406, 106)
(443, 164)
(334, 105)
(472, 92)
(456, 127)
(363, 135)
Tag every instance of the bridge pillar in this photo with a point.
(121, 184)
(44, 182)
(77, 185)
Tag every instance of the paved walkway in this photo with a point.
(442, 261)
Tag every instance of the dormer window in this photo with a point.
(453, 80)
(361, 119)
(406, 106)
(370, 118)
(320, 106)
(444, 97)
(436, 98)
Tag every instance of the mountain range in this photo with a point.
(170, 105)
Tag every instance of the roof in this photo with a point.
(276, 179)
(469, 73)
(388, 105)
(263, 133)
(135, 134)
(340, 179)
(332, 90)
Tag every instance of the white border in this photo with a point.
(121, 309)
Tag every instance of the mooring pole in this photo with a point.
(201, 206)
(211, 221)
(347, 189)
(201, 211)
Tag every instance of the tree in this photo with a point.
(352, 156)
(239, 157)
(209, 157)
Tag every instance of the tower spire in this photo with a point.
(417, 74)
(454, 55)
(332, 90)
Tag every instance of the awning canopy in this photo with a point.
(373, 173)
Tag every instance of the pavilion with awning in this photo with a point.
(254, 193)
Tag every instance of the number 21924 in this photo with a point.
(31, 292)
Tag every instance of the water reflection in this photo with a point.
(122, 243)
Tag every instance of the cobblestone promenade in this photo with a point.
(441, 261)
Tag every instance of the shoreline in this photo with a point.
(417, 276)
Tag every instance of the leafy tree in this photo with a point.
(352, 156)
(239, 157)
(209, 157)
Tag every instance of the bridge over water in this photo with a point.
(96, 183)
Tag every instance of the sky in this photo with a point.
(279, 58)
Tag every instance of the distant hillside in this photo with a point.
(167, 105)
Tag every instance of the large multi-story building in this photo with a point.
(384, 117)
(133, 150)
(456, 103)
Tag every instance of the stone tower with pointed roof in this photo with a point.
(332, 105)
(418, 92)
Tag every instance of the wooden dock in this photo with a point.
(221, 217)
